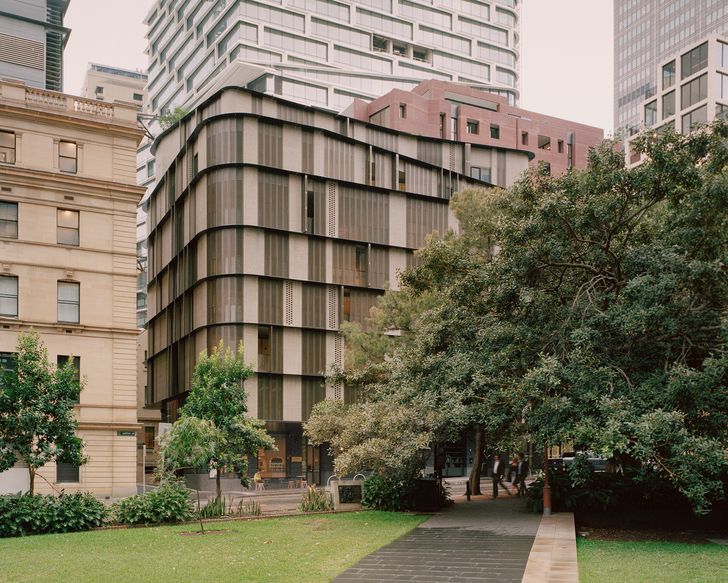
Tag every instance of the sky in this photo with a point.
(566, 52)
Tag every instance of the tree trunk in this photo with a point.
(31, 473)
(477, 461)
(217, 484)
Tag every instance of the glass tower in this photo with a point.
(645, 33)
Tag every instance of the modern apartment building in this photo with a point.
(112, 84)
(32, 39)
(444, 110)
(68, 199)
(328, 52)
(270, 224)
(646, 33)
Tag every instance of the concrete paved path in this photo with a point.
(478, 541)
(553, 555)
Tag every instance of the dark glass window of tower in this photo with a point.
(668, 104)
(694, 61)
(668, 75)
(651, 113)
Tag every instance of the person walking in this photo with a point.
(521, 474)
(499, 470)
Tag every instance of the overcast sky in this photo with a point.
(566, 51)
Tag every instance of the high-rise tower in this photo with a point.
(32, 39)
(646, 32)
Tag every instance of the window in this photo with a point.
(544, 142)
(150, 168)
(138, 97)
(66, 473)
(697, 116)
(419, 55)
(9, 219)
(721, 110)
(560, 146)
(722, 83)
(67, 227)
(99, 90)
(149, 436)
(723, 55)
(668, 75)
(694, 91)
(693, 61)
(195, 165)
(524, 138)
(399, 49)
(495, 131)
(480, 173)
(264, 348)
(68, 157)
(472, 127)
(69, 301)
(346, 305)
(570, 149)
(403, 110)
(651, 114)
(7, 147)
(9, 296)
(546, 167)
(379, 44)
(442, 125)
(362, 261)
(310, 207)
(61, 361)
(402, 180)
(668, 104)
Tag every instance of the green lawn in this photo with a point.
(649, 562)
(293, 549)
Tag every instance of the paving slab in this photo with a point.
(479, 541)
(553, 555)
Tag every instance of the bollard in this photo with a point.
(467, 489)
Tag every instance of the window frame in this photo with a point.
(494, 131)
(10, 203)
(67, 468)
(10, 296)
(13, 149)
(62, 157)
(75, 242)
(60, 302)
(472, 127)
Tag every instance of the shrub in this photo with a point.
(387, 493)
(23, 514)
(315, 500)
(168, 503)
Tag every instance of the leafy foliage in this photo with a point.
(314, 500)
(170, 118)
(213, 430)
(170, 502)
(588, 308)
(24, 514)
(388, 493)
(37, 424)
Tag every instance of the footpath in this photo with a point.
(484, 540)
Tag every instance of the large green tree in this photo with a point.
(214, 430)
(588, 308)
(37, 423)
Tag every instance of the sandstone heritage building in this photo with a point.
(68, 199)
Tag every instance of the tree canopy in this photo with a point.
(37, 422)
(588, 308)
(214, 430)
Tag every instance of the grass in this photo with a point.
(301, 548)
(649, 561)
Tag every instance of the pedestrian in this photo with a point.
(512, 469)
(521, 474)
(499, 470)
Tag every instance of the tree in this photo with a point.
(214, 430)
(37, 423)
(588, 308)
(169, 118)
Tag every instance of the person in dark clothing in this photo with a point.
(521, 474)
(499, 470)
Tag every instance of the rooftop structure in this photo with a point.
(451, 111)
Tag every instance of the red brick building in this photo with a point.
(440, 109)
